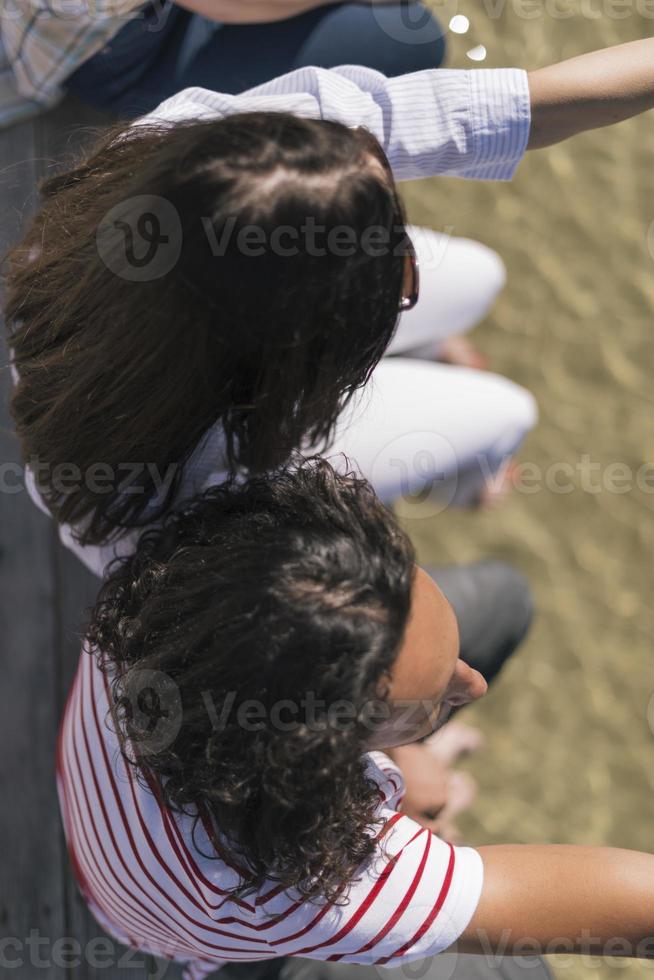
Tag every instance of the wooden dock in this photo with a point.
(44, 593)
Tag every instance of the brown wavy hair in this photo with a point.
(268, 593)
(127, 362)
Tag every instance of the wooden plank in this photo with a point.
(77, 592)
(61, 137)
(32, 911)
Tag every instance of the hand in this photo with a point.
(435, 793)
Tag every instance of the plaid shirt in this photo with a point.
(42, 42)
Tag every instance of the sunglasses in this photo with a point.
(410, 301)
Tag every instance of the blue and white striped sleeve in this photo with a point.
(472, 124)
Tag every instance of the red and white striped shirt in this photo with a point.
(153, 885)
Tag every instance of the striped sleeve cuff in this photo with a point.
(457, 903)
(463, 898)
(500, 110)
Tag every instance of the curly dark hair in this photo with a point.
(269, 341)
(266, 592)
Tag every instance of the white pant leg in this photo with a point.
(418, 424)
(460, 279)
(459, 282)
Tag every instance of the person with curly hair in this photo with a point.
(225, 761)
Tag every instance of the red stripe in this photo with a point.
(162, 862)
(370, 899)
(430, 918)
(278, 889)
(171, 825)
(184, 856)
(314, 922)
(77, 828)
(399, 912)
(113, 906)
(151, 918)
(165, 923)
(269, 923)
(135, 850)
(188, 866)
(92, 862)
(268, 896)
(213, 837)
(263, 899)
(210, 830)
(167, 940)
(80, 878)
(390, 823)
(176, 840)
(394, 779)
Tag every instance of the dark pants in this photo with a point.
(447, 966)
(494, 609)
(168, 49)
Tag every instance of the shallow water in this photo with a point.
(570, 726)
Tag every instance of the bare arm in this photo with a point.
(590, 91)
(584, 899)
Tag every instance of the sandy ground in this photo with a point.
(570, 754)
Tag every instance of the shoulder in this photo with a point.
(383, 771)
